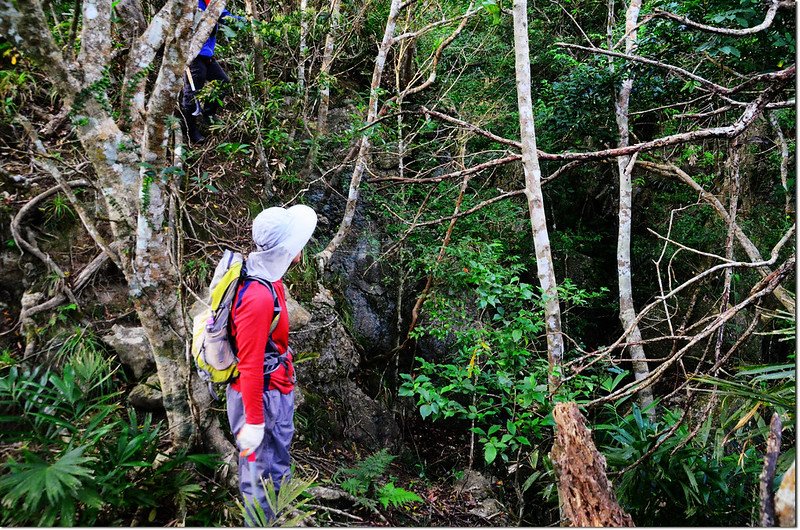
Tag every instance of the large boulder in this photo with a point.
(147, 396)
(299, 317)
(132, 349)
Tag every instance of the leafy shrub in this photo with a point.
(684, 482)
(496, 375)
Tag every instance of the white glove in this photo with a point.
(249, 438)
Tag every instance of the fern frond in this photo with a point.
(389, 494)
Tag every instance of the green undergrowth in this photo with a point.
(75, 455)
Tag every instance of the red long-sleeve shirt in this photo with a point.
(251, 317)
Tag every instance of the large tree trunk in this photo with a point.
(132, 171)
(533, 192)
(625, 164)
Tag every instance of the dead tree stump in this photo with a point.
(585, 493)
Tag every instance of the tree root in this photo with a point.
(29, 246)
(330, 494)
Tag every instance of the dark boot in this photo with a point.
(209, 113)
(192, 130)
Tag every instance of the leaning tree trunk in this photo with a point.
(625, 164)
(533, 192)
(133, 171)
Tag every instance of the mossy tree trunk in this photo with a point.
(132, 155)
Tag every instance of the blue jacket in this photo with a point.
(211, 43)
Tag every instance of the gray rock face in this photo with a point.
(132, 348)
(371, 305)
(479, 487)
(326, 340)
(327, 358)
(367, 422)
(147, 396)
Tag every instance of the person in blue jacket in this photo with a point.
(202, 69)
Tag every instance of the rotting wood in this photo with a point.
(586, 495)
(786, 499)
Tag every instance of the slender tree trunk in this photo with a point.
(734, 159)
(301, 66)
(784, 147)
(363, 142)
(258, 43)
(533, 192)
(325, 69)
(625, 164)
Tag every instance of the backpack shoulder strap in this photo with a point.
(276, 303)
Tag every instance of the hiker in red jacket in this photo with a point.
(261, 399)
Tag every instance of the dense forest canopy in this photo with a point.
(533, 217)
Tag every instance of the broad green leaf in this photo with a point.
(489, 453)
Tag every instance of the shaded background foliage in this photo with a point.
(469, 387)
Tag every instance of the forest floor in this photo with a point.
(428, 464)
(443, 506)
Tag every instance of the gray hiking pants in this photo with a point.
(272, 460)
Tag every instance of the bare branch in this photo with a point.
(51, 168)
(81, 279)
(733, 103)
(636, 58)
(27, 28)
(437, 56)
(31, 247)
(768, 18)
(769, 278)
(750, 249)
(763, 288)
(470, 127)
(752, 111)
(434, 25)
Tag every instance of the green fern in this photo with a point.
(389, 494)
(365, 472)
(363, 479)
(355, 487)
